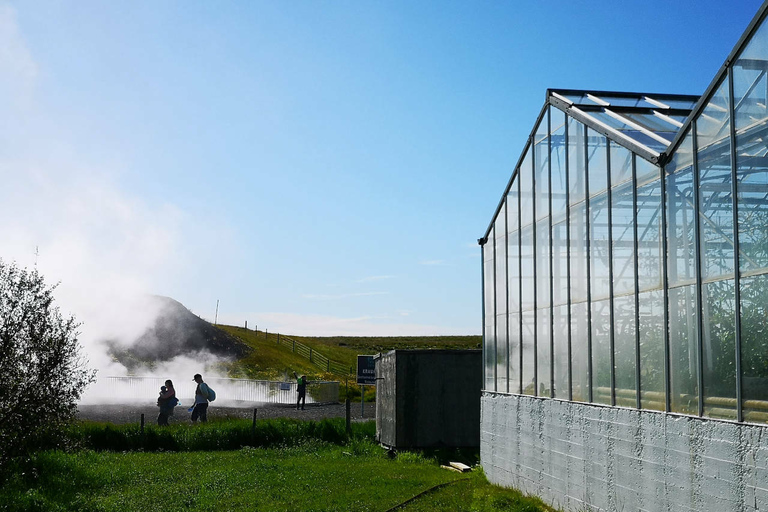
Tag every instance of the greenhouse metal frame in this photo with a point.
(627, 261)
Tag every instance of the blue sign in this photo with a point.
(366, 370)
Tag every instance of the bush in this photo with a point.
(43, 372)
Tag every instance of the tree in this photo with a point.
(42, 371)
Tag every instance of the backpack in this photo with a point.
(211, 393)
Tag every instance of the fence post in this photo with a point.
(349, 419)
(265, 334)
(246, 325)
(278, 338)
(310, 354)
(329, 366)
(253, 427)
(294, 346)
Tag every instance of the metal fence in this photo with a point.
(228, 391)
(314, 357)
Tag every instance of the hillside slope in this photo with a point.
(176, 331)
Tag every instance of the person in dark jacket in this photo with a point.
(200, 409)
(301, 388)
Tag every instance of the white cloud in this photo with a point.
(435, 263)
(312, 296)
(374, 278)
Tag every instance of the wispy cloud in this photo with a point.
(373, 278)
(434, 263)
(313, 296)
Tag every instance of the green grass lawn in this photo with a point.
(299, 467)
(357, 477)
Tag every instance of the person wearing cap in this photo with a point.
(201, 400)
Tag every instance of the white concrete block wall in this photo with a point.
(581, 457)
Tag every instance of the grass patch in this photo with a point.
(215, 435)
(313, 476)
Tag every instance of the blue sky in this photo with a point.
(317, 167)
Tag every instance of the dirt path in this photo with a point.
(131, 413)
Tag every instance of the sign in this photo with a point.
(366, 370)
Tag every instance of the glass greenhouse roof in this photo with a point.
(645, 123)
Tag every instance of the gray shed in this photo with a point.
(428, 398)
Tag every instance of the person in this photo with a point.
(200, 409)
(166, 402)
(301, 388)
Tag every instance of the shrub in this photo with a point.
(42, 369)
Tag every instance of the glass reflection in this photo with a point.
(601, 352)
(754, 347)
(624, 342)
(500, 231)
(715, 197)
(683, 350)
(718, 317)
(651, 330)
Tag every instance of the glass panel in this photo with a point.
(579, 352)
(489, 337)
(513, 251)
(500, 230)
(621, 164)
(750, 86)
(542, 179)
(577, 173)
(597, 152)
(559, 264)
(542, 264)
(652, 350)
(683, 350)
(624, 340)
(713, 124)
(544, 351)
(557, 150)
(514, 352)
(623, 233)
(649, 235)
(754, 347)
(719, 349)
(645, 170)
(578, 247)
(601, 352)
(715, 198)
(526, 190)
(560, 343)
(599, 244)
(680, 217)
(529, 327)
(526, 256)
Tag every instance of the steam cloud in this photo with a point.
(73, 220)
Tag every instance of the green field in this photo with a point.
(272, 361)
(302, 466)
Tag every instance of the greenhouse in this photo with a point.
(626, 263)
(625, 299)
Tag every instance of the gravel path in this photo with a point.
(131, 413)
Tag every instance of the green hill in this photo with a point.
(268, 360)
